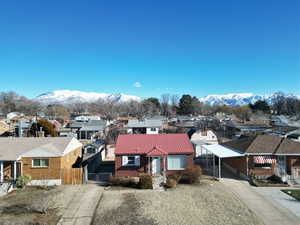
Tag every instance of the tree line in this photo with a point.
(167, 105)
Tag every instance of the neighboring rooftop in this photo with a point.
(144, 123)
(289, 147)
(144, 143)
(264, 144)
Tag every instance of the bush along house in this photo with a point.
(154, 154)
(44, 159)
(265, 155)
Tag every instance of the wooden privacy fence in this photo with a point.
(72, 175)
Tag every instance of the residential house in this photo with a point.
(203, 137)
(157, 154)
(41, 158)
(236, 129)
(86, 130)
(23, 127)
(86, 118)
(144, 126)
(265, 155)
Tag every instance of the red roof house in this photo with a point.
(152, 153)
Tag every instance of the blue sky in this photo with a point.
(196, 47)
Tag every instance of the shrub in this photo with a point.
(176, 177)
(171, 183)
(191, 175)
(22, 181)
(124, 182)
(275, 179)
(145, 181)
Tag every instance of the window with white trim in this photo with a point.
(153, 129)
(132, 160)
(177, 162)
(40, 162)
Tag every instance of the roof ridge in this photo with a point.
(281, 141)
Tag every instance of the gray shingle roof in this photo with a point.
(144, 123)
(289, 147)
(12, 148)
(261, 144)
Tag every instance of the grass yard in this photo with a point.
(35, 205)
(205, 203)
(294, 193)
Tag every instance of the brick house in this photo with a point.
(265, 155)
(156, 154)
(41, 158)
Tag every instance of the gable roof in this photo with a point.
(240, 145)
(289, 147)
(261, 144)
(143, 143)
(156, 152)
(13, 148)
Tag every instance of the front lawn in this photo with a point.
(294, 193)
(206, 203)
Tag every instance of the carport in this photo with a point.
(221, 152)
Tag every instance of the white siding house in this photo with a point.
(203, 137)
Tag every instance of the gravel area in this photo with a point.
(205, 203)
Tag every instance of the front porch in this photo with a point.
(157, 162)
(9, 171)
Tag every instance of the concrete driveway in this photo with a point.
(82, 207)
(277, 197)
(271, 211)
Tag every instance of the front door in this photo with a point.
(282, 165)
(155, 165)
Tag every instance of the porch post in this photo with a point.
(149, 165)
(1, 172)
(164, 161)
(219, 167)
(206, 153)
(247, 162)
(15, 170)
(214, 165)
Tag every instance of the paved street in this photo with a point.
(81, 209)
(270, 212)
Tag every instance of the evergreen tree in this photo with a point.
(45, 126)
(185, 105)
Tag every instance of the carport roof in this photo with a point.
(221, 151)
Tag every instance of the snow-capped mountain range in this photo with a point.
(242, 98)
(71, 97)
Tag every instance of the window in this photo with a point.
(131, 160)
(176, 162)
(40, 162)
(90, 150)
(262, 165)
(153, 129)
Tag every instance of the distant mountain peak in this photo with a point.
(74, 96)
(238, 99)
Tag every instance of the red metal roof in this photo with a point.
(145, 143)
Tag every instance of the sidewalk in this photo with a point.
(82, 207)
(266, 210)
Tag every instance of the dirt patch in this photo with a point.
(126, 212)
(34, 205)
